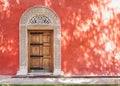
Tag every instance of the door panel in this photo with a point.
(35, 62)
(40, 51)
(46, 50)
(35, 50)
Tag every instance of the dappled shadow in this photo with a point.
(8, 37)
(90, 36)
(10, 13)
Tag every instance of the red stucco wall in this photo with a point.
(90, 35)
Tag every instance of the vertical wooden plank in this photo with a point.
(29, 39)
(52, 58)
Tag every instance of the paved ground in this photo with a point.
(10, 80)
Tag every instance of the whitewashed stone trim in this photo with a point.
(25, 25)
(39, 10)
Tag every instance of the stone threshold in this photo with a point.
(59, 76)
(59, 80)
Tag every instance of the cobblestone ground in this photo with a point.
(10, 80)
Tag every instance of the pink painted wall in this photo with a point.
(90, 35)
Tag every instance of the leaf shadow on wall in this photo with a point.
(90, 36)
(10, 13)
(9, 36)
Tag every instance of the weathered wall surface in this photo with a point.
(90, 35)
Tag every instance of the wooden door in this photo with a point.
(40, 45)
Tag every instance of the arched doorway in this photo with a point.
(37, 22)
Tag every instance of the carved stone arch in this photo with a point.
(37, 10)
(35, 17)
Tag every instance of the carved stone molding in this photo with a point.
(40, 10)
(40, 18)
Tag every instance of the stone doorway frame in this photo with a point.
(52, 24)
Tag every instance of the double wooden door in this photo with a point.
(40, 46)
